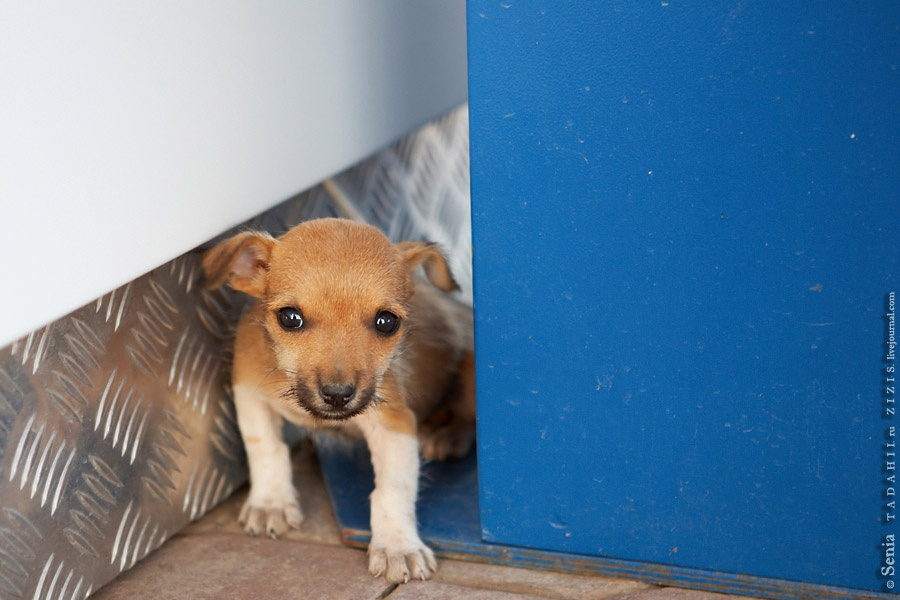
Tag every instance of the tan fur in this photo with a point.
(340, 274)
(340, 282)
(241, 261)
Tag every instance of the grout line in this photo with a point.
(388, 591)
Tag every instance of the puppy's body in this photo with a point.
(343, 335)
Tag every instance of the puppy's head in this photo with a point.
(334, 299)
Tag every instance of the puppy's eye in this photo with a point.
(386, 322)
(290, 318)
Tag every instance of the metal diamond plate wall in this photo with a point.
(116, 424)
(418, 188)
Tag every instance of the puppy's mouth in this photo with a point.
(312, 402)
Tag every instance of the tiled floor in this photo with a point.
(214, 559)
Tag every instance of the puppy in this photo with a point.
(344, 334)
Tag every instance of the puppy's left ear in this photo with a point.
(434, 262)
(242, 261)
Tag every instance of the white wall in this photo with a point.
(131, 132)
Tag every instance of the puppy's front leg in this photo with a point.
(272, 506)
(396, 551)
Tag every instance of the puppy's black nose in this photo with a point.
(337, 395)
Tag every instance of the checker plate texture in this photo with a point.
(116, 424)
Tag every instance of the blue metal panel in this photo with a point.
(448, 522)
(685, 220)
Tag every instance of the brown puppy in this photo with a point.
(344, 334)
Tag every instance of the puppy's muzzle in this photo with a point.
(337, 395)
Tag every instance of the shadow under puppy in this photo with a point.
(344, 334)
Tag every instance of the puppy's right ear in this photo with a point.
(435, 263)
(242, 261)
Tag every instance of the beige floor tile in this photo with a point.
(670, 593)
(430, 590)
(547, 584)
(216, 566)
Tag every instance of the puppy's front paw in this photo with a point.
(399, 565)
(271, 518)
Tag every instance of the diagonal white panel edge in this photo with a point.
(132, 132)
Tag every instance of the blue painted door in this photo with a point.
(686, 229)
